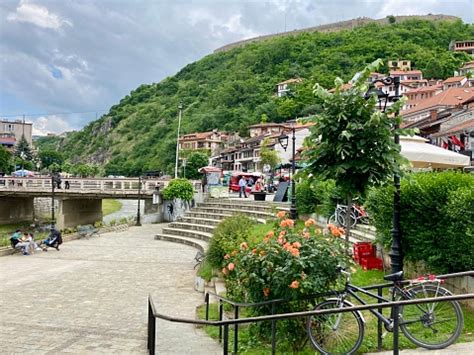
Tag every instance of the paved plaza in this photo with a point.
(91, 297)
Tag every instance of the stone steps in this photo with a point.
(192, 226)
(251, 207)
(187, 233)
(233, 210)
(202, 221)
(195, 243)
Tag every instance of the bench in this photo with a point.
(87, 231)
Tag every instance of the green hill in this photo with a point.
(230, 90)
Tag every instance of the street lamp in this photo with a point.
(396, 255)
(52, 201)
(180, 108)
(283, 140)
(138, 224)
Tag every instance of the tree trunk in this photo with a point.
(348, 221)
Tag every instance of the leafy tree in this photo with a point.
(351, 141)
(195, 161)
(55, 167)
(268, 156)
(23, 150)
(49, 157)
(67, 167)
(5, 160)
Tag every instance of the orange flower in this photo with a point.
(254, 251)
(306, 235)
(282, 234)
(266, 291)
(287, 223)
(297, 245)
(309, 222)
(270, 234)
(281, 214)
(280, 240)
(227, 257)
(224, 271)
(244, 246)
(266, 239)
(295, 284)
(231, 266)
(294, 252)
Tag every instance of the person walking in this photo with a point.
(242, 186)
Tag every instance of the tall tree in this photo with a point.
(195, 161)
(50, 156)
(351, 141)
(5, 161)
(23, 150)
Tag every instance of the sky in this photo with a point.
(64, 63)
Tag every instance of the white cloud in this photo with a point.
(50, 124)
(37, 15)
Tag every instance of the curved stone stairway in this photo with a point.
(196, 226)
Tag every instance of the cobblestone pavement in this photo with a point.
(91, 297)
(456, 349)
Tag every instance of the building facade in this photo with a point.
(11, 132)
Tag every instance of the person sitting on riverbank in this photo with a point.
(18, 243)
(54, 240)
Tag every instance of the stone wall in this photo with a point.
(336, 27)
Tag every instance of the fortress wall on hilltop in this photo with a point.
(336, 27)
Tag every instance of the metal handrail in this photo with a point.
(395, 305)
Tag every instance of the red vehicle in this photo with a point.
(235, 177)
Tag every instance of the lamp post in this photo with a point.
(180, 109)
(52, 201)
(138, 224)
(283, 140)
(396, 255)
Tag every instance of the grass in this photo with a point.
(110, 206)
(6, 230)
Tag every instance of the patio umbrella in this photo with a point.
(425, 155)
(23, 173)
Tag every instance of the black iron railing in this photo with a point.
(225, 324)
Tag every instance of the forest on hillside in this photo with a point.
(231, 90)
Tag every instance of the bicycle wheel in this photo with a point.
(332, 219)
(336, 333)
(431, 325)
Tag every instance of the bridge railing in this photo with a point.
(73, 183)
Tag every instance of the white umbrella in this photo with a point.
(425, 155)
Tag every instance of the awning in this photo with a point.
(425, 155)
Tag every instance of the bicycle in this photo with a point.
(433, 325)
(358, 214)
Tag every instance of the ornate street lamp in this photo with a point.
(180, 109)
(396, 255)
(139, 200)
(52, 201)
(283, 140)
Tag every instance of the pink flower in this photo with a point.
(297, 245)
(309, 222)
(306, 235)
(270, 234)
(224, 271)
(231, 266)
(281, 214)
(227, 257)
(244, 246)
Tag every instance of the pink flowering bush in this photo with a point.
(287, 264)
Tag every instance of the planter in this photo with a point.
(174, 209)
(259, 196)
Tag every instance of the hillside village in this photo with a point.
(442, 111)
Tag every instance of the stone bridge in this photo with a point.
(80, 203)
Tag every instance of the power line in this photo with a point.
(53, 113)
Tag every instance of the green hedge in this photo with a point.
(437, 217)
(179, 188)
(322, 194)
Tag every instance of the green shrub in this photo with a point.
(321, 195)
(306, 199)
(288, 264)
(179, 188)
(123, 220)
(436, 218)
(227, 237)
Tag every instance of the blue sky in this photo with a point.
(58, 57)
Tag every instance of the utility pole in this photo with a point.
(180, 108)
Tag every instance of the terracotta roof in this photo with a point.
(423, 89)
(255, 139)
(269, 124)
(468, 65)
(403, 72)
(454, 79)
(291, 81)
(457, 128)
(450, 97)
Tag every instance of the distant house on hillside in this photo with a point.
(265, 129)
(284, 88)
(466, 46)
(467, 69)
(201, 140)
(454, 82)
(398, 64)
